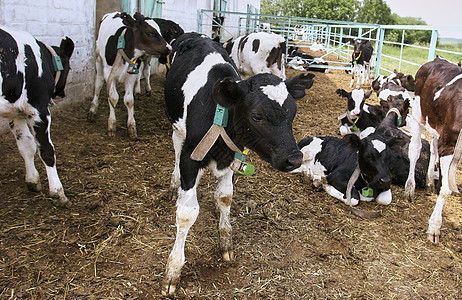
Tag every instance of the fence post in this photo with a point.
(379, 51)
(199, 21)
(431, 50)
(340, 44)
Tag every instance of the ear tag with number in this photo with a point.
(367, 192)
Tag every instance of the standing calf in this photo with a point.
(260, 114)
(28, 81)
(141, 38)
(438, 106)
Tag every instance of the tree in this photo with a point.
(375, 12)
(341, 10)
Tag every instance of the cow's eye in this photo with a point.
(256, 117)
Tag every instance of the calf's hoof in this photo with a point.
(91, 117)
(34, 187)
(168, 288)
(111, 133)
(228, 255)
(433, 237)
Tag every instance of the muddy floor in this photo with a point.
(291, 240)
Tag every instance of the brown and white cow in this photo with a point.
(258, 52)
(28, 81)
(140, 38)
(438, 106)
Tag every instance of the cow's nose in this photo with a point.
(294, 161)
(386, 181)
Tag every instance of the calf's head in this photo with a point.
(356, 99)
(372, 158)
(65, 52)
(262, 109)
(147, 39)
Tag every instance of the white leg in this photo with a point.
(414, 148)
(223, 198)
(186, 214)
(113, 99)
(147, 74)
(27, 148)
(434, 223)
(177, 145)
(129, 102)
(432, 164)
(353, 74)
(99, 81)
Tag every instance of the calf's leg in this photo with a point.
(434, 223)
(187, 210)
(415, 147)
(99, 81)
(223, 198)
(27, 148)
(47, 154)
(129, 101)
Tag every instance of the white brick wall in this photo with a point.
(51, 20)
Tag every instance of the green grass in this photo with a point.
(416, 55)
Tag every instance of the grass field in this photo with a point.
(417, 55)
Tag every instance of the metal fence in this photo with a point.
(335, 38)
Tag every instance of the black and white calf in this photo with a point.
(258, 52)
(261, 110)
(361, 61)
(305, 62)
(141, 37)
(28, 84)
(359, 118)
(170, 31)
(398, 78)
(330, 162)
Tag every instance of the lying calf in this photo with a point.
(330, 162)
(359, 116)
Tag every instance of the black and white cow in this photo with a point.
(305, 62)
(398, 78)
(28, 84)
(261, 110)
(398, 142)
(170, 31)
(142, 37)
(361, 61)
(330, 162)
(359, 118)
(258, 52)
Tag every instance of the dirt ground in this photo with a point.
(291, 240)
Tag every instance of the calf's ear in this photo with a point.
(227, 92)
(127, 20)
(368, 94)
(298, 84)
(67, 47)
(342, 93)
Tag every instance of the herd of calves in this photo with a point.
(226, 99)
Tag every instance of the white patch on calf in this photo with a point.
(358, 97)
(277, 93)
(195, 81)
(384, 198)
(438, 94)
(379, 145)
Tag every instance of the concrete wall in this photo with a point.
(51, 20)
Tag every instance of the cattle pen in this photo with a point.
(291, 239)
(335, 37)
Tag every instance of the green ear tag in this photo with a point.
(246, 169)
(221, 116)
(367, 192)
(354, 128)
(121, 42)
(399, 121)
(132, 69)
(57, 64)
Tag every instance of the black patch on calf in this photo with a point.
(111, 46)
(255, 45)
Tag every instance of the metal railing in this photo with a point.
(335, 36)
